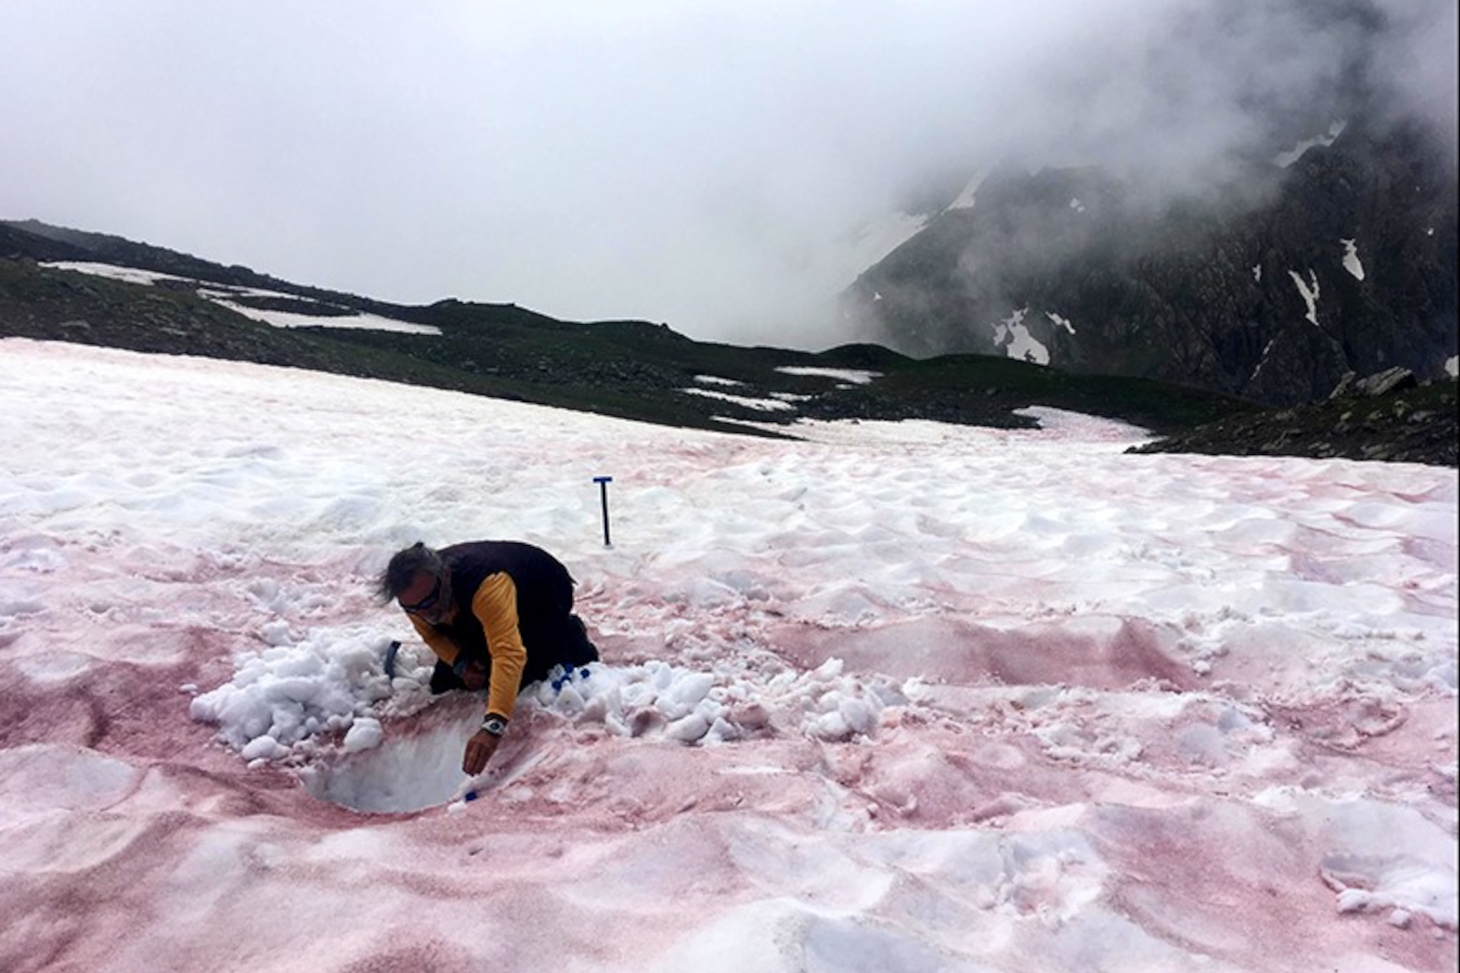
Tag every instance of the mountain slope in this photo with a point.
(630, 369)
(1272, 288)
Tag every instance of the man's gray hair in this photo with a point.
(401, 570)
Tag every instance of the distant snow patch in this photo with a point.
(1257, 272)
(716, 380)
(226, 295)
(1262, 359)
(1077, 206)
(1284, 159)
(1079, 425)
(1351, 259)
(294, 319)
(1452, 366)
(1310, 291)
(1061, 322)
(130, 275)
(876, 238)
(853, 375)
(763, 405)
(1012, 334)
(966, 197)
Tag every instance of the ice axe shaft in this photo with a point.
(603, 482)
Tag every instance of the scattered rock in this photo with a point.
(1410, 423)
(1382, 383)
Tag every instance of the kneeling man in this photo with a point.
(497, 614)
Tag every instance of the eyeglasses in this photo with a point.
(425, 603)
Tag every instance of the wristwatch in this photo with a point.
(494, 725)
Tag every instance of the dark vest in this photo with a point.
(544, 589)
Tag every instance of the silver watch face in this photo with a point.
(494, 726)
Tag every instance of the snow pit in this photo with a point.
(407, 771)
(402, 753)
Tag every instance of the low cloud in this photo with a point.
(724, 168)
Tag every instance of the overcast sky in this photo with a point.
(724, 167)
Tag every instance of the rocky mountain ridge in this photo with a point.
(1275, 288)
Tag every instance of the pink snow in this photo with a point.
(896, 697)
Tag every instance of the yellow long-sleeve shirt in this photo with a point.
(495, 606)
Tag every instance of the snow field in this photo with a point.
(902, 696)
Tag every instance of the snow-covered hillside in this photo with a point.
(231, 297)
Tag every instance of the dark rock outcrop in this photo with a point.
(1345, 262)
(1387, 418)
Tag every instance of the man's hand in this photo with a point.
(479, 750)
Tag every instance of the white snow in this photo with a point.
(1263, 358)
(1060, 321)
(1351, 259)
(877, 238)
(1452, 366)
(131, 275)
(969, 194)
(294, 319)
(226, 296)
(1310, 292)
(762, 405)
(1257, 272)
(854, 376)
(1285, 159)
(1012, 334)
(1077, 206)
(898, 696)
(716, 380)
